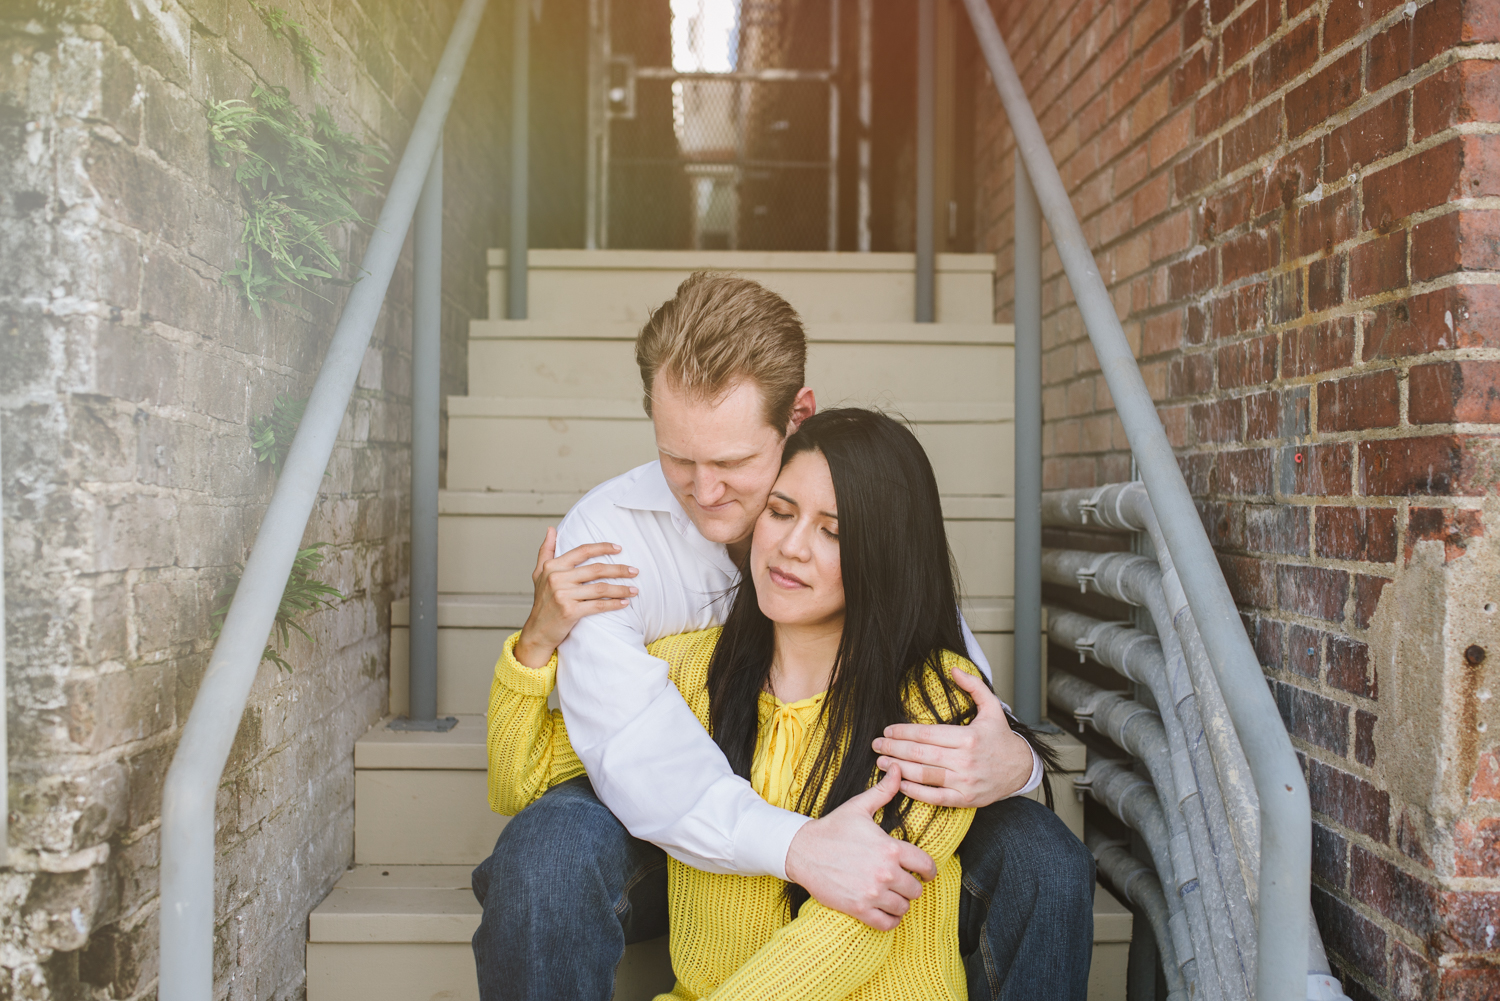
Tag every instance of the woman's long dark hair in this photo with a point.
(901, 613)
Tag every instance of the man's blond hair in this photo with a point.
(719, 329)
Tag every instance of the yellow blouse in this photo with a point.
(731, 936)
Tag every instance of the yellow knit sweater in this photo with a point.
(731, 937)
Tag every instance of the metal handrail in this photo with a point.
(1286, 816)
(188, 800)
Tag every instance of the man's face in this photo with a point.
(719, 456)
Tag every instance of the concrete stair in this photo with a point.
(555, 408)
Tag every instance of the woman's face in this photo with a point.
(794, 553)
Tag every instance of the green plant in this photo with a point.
(303, 593)
(298, 178)
(280, 23)
(271, 436)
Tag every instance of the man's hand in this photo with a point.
(847, 863)
(959, 766)
(567, 592)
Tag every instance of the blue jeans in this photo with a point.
(572, 888)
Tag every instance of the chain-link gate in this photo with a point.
(714, 124)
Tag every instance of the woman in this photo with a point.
(845, 621)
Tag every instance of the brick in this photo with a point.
(1428, 179)
(1457, 241)
(1248, 254)
(1266, 636)
(1455, 392)
(1330, 91)
(1349, 801)
(1198, 171)
(1476, 847)
(1244, 472)
(1325, 283)
(1453, 527)
(1330, 856)
(1367, 590)
(1388, 55)
(1364, 738)
(1285, 59)
(1253, 26)
(1350, 936)
(1193, 276)
(1347, 18)
(1276, 414)
(1224, 523)
(1404, 466)
(1251, 581)
(1412, 975)
(1469, 919)
(1378, 266)
(1357, 533)
(1326, 223)
(1252, 139)
(1191, 74)
(1222, 103)
(1310, 717)
(1455, 317)
(1359, 402)
(1325, 470)
(1318, 348)
(1284, 297)
(1218, 422)
(1349, 667)
(1317, 592)
(1376, 134)
(1304, 650)
(1467, 91)
(1395, 893)
(1469, 979)
(1276, 528)
(1247, 363)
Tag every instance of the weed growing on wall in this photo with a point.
(280, 23)
(304, 593)
(271, 435)
(298, 178)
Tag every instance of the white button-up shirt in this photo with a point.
(650, 760)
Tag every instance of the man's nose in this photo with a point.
(709, 488)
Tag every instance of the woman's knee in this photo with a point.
(1023, 846)
(567, 843)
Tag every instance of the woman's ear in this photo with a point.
(803, 407)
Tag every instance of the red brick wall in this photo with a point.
(1294, 205)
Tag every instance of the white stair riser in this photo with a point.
(466, 663)
(558, 288)
(840, 374)
(489, 554)
(576, 454)
(422, 817)
(387, 971)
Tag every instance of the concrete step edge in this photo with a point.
(563, 408)
(527, 504)
(738, 260)
(925, 334)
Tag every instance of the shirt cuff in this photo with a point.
(1036, 775)
(532, 682)
(763, 838)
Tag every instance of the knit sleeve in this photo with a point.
(528, 746)
(826, 955)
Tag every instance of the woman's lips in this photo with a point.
(783, 579)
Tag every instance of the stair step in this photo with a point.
(405, 932)
(472, 628)
(623, 285)
(485, 545)
(558, 445)
(847, 364)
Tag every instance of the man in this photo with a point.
(582, 872)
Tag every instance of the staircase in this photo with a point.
(555, 408)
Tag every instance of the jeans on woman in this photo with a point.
(567, 889)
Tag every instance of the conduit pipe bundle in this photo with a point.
(1201, 827)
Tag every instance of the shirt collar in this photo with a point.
(650, 492)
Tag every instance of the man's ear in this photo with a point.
(803, 407)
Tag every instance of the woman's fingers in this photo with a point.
(580, 554)
(934, 795)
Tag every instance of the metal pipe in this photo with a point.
(1133, 879)
(1286, 815)
(926, 154)
(520, 153)
(596, 122)
(190, 791)
(833, 125)
(4, 756)
(1028, 431)
(426, 412)
(866, 119)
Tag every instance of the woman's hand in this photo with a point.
(565, 592)
(959, 766)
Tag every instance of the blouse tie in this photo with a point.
(784, 730)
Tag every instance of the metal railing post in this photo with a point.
(1286, 813)
(926, 311)
(516, 279)
(186, 932)
(1028, 429)
(426, 413)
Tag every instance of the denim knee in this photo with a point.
(1022, 845)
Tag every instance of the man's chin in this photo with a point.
(722, 530)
